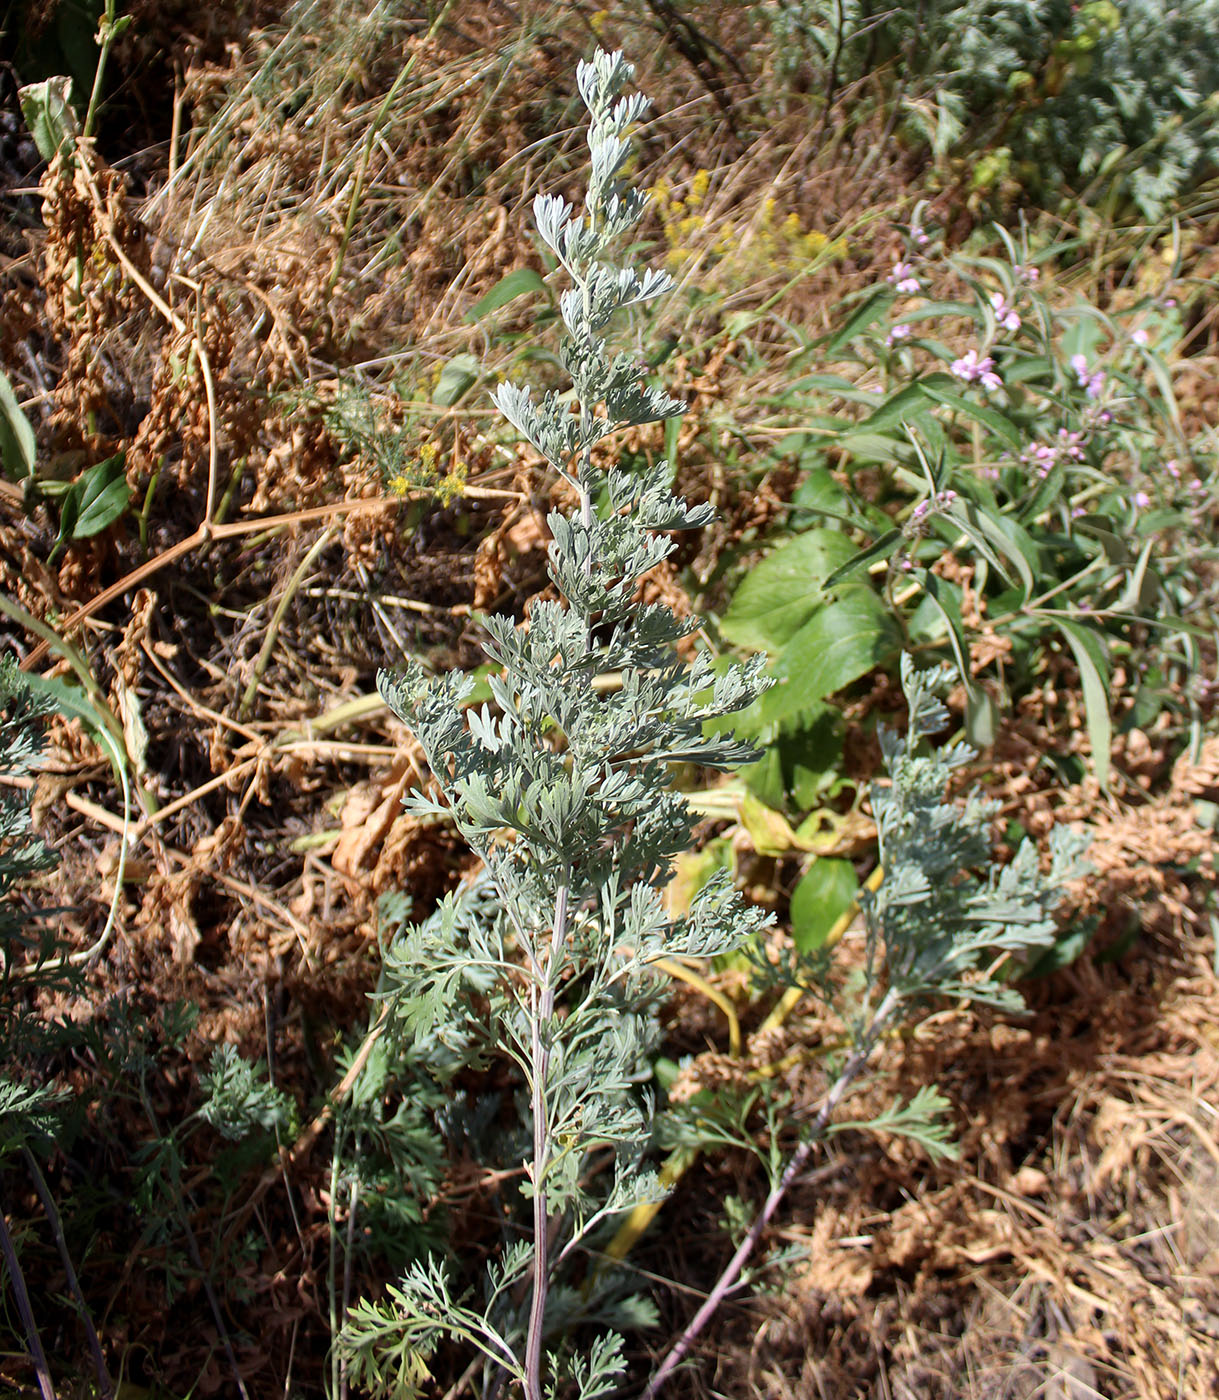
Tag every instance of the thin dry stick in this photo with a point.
(202, 535)
(727, 1281)
(285, 602)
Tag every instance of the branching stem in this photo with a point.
(727, 1281)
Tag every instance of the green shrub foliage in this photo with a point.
(1055, 93)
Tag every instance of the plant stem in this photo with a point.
(21, 1294)
(542, 1018)
(727, 1281)
(106, 36)
(105, 1384)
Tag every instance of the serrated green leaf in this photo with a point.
(824, 894)
(517, 284)
(782, 592)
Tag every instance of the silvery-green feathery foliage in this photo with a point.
(21, 742)
(563, 788)
(945, 909)
(24, 1030)
(935, 927)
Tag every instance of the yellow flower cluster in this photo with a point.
(779, 243)
(445, 488)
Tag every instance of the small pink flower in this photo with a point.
(1006, 315)
(1142, 500)
(1173, 469)
(903, 278)
(1140, 337)
(1092, 382)
(900, 332)
(976, 371)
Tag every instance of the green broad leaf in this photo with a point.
(765, 777)
(517, 284)
(1143, 586)
(949, 610)
(868, 314)
(981, 717)
(820, 494)
(1066, 950)
(17, 447)
(876, 550)
(938, 311)
(979, 413)
(1033, 370)
(1083, 337)
(1093, 662)
(981, 712)
(1047, 493)
(900, 407)
(1001, 534)
(782, 592)
(103, 497)
(872, 447)
(47, 109)
(824, 894)
(1168, 393)
(457, 378)
(1100, 528)
(842, 642)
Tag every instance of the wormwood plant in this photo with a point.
(945, 922)
(563, 789)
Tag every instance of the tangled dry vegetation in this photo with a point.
(261, 322)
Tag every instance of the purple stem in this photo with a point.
(105, 1384)
(33, 1340)
(727, 1281)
